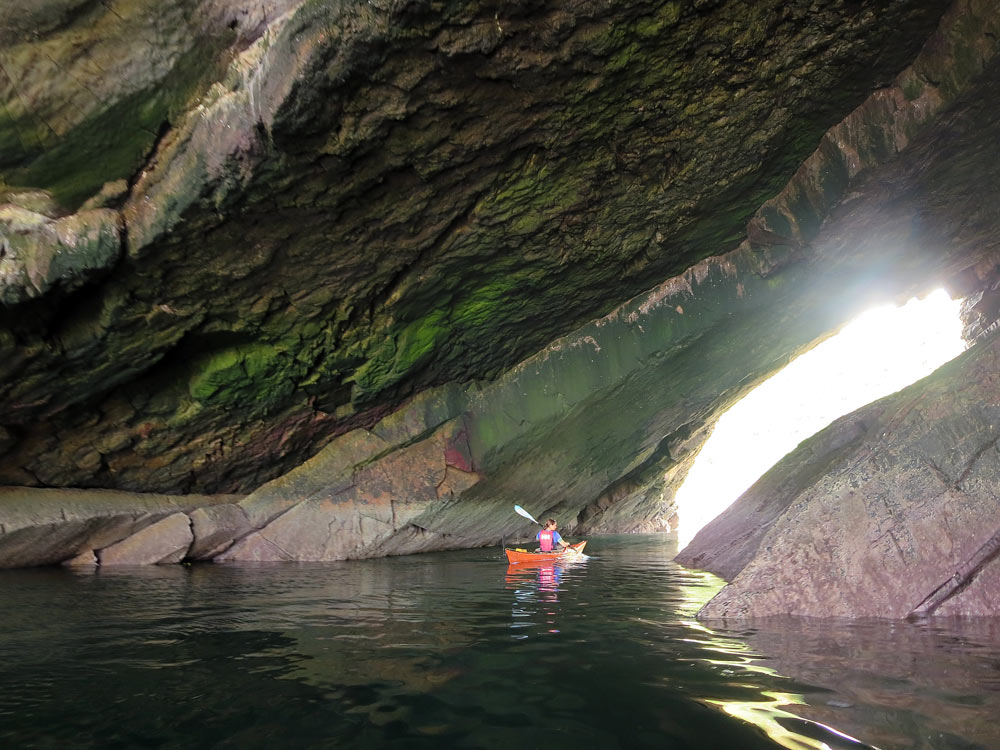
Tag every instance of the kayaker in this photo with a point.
(548, 537)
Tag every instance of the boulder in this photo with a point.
(165, 541)
(215, 528)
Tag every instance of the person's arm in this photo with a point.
(560, 540)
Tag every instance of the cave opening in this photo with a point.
(880, 352)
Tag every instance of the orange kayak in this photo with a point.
(523, 556)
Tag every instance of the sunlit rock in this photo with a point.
(889, 512)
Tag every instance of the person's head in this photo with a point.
(550, 524)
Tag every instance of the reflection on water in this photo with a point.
(899, 685)
(461, 650)
(771, 711)
(536, 593)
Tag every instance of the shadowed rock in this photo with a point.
(45, 527)
(162, 542)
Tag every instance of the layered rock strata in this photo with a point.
(379, 200)
(46, 526)
(330, 206)
(889, 512)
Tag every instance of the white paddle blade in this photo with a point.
(522, 512)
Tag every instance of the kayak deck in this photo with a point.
(523, 556)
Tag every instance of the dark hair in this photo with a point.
(552, 522)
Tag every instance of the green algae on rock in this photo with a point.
(374, 266)
(459, 182)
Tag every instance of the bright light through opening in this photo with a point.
(880, 352)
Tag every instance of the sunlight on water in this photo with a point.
(878, 353)
(768, 710)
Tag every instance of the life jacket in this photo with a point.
(545, 540)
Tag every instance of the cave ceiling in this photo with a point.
(231, 234)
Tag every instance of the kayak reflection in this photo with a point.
(536, 588)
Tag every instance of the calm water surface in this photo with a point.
(458, 650)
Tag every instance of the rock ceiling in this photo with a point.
(518, 249)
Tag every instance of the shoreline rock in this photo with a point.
(898, 521)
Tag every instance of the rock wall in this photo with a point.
(45, 526)
(324, 207)
(889, 512)
(318, 285)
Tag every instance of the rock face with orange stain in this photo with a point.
(338, 511)
(889, 512)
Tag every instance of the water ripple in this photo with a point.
(458, 650)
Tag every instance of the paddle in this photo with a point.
(522, 512)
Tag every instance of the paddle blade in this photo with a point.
(522, 512)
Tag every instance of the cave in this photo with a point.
(299, 298)
(322, 281)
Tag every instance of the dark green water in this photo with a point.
(455, 650)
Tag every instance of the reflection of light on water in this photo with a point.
(768, 715)
(700, 586)
(878, 353)
(733, 658)
(785, 728)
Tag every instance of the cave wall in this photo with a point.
(350, 203)
(350, 280)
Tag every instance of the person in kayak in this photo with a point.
(548, 537)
